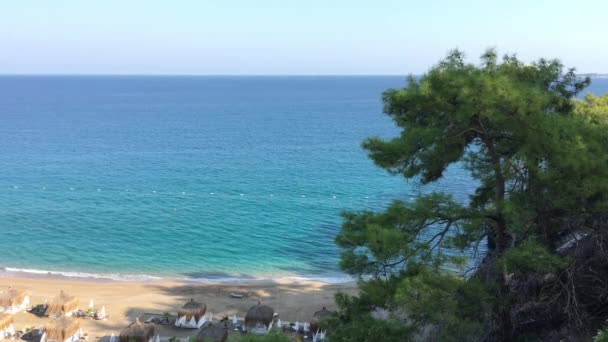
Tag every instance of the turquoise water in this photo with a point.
(197, 177)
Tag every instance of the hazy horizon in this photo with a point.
(271, 37)
(601, 74)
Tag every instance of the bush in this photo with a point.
(273, 336)
(601, 336)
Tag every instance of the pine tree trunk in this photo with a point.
(500, 234)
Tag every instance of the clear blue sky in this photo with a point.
(291, 37)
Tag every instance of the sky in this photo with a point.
(289, 37)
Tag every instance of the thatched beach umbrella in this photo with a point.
(192, 309)
(259, 314)
(5, 321)
(12, 297)
(62, 304)
(137, 332)
(212, 333)
(317, 317)
(61, 328)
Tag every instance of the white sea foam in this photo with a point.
(111, 276)
(258, 280)
(12, 271)
(329, 280)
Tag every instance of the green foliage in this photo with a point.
(364, 328)
(530, 257)
(355, 323)
(538, 159)
(593, 109)
(273, 336)
(601, 336)
(577, 182)
(456, 106)
(446, 300)
(383, 243)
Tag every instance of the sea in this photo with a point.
(197, 178)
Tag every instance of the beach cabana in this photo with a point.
(212, 333)
(13, 300)
(317, 317)
(6, 326)
(137, 332)
(191, 315)
(259, 318)
(62, 329)
(64, 304)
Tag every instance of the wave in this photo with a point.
(12, 271)
(82, 275)
(249, 280)
(330, 280)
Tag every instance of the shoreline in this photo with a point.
(95, 277)
(293, 300)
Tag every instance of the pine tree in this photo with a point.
(537, 162)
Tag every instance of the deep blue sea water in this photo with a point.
(198, 177)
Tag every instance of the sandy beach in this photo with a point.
(124, 301)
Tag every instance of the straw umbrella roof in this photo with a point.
(192, 309)
(212, 333)
(322, 314)
(5, 321)
(137, 332)
(317, 317)
(259, 314)
(12, 297)
(62, 304)
(62, 327)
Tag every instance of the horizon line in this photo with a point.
(200, 75)
(582, 74)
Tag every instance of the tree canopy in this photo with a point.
(539, 163)
(593, 109)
